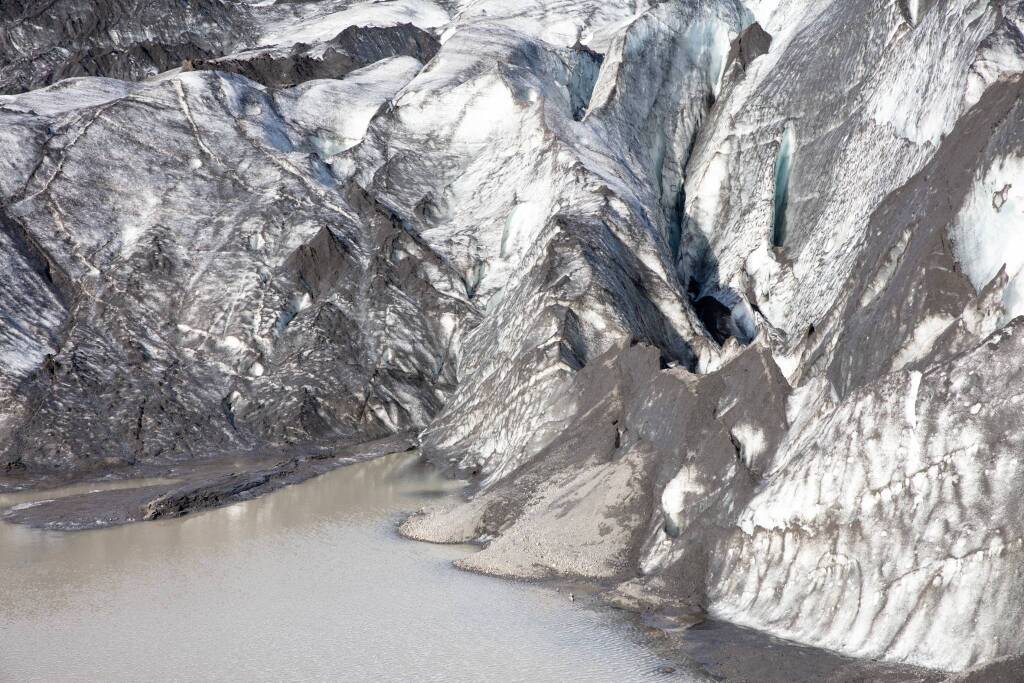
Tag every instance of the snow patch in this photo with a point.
(988, 234)
(423, 14)
(338, 112)
(491, 110)
(912, 11)
(887, 269)
(910, 408)
(524, 222)
(751, 441)
(30, 504)
(674, 496)
(923, 340)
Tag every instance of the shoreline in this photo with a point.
(687, 636)
(181, 488)
(719, 649)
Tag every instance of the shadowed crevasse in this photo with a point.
(783, 171)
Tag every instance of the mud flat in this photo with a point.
(154, 492)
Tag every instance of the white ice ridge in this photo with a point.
(323, 24)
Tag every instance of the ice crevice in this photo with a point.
(584, 70)
(783, 172)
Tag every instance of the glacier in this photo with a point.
(715, 301)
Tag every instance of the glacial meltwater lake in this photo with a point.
(310, 582)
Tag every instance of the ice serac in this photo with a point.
(562, 227)
(717, 300)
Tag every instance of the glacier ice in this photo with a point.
(715, 300)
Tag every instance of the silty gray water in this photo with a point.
(308, 583)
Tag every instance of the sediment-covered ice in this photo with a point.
(717, 300)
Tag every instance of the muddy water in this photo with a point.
(308, 583)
